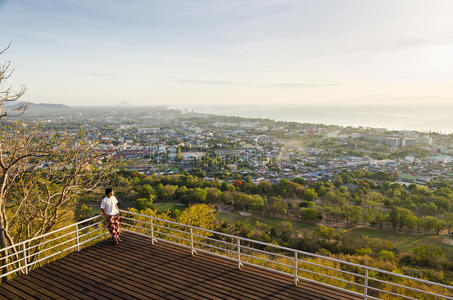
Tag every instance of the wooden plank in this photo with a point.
(203, 269)
(288, 285)
(147, 272)
(319, 290)
(81, 283)
(144, 278)
(161, 291)
(18, 293)
(137, 269)
(5, 294)
(105, 284)
(31, 289)
(56, 287)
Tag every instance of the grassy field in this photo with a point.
(234, 216)
(170, 206)
(403, 241)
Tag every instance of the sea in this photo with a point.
(424, 118)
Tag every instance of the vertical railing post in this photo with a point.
(152, 231)
(25, 258)
(365, 286)
(77, 237)
(239, 253)
(296, 267)
(191, 242)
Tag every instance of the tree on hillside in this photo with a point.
(41, 176)
(199, 215)
(448, 219)
(8, 95)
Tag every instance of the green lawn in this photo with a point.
(403, 241)
(170, 206)
(234, 216)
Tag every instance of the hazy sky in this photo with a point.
(145, 52)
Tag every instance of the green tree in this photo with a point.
(428, 255)
(309, 214)
(276, 206)
(194, 195)
(324, 232)
(199, 215)
(448, 220)
(213, 195)
(352, 214)
(144, 203)
(310, 194)
(386, 255)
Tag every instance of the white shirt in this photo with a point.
(108, 205)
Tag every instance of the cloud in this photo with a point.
(264, 85)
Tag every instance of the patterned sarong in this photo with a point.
(114, 226)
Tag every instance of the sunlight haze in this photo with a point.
(102, 52)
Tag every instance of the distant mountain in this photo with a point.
(124, 104)
(48, 106)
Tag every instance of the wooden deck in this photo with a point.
(135, 269)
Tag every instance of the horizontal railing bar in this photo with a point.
(43, 243)
(12, 254)
(411, 278)
(49, 233)
(218, 248)
(47, 249)
(11, 272)
(91, 232)
(331, 286)
(93, 238)
(265, 252)
(173, 243)
(331, 277)
(214, 240)
(154, 218)
(175, 236)
(172, 229)
(138, 227)
(14, 262)
(157, 232)
(215, 254)
(403, 286)
(135, 220)
(330, 268)
(86, 227)
(47, 257)
(139, 233)
(270, 261)
(391, 293)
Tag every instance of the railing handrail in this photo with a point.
(23, 260)
(49, 233)
(296, 251)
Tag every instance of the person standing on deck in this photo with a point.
(109, 207)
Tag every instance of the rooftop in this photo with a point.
(138, 269)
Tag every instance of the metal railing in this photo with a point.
(359, 280)
(26, 255)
